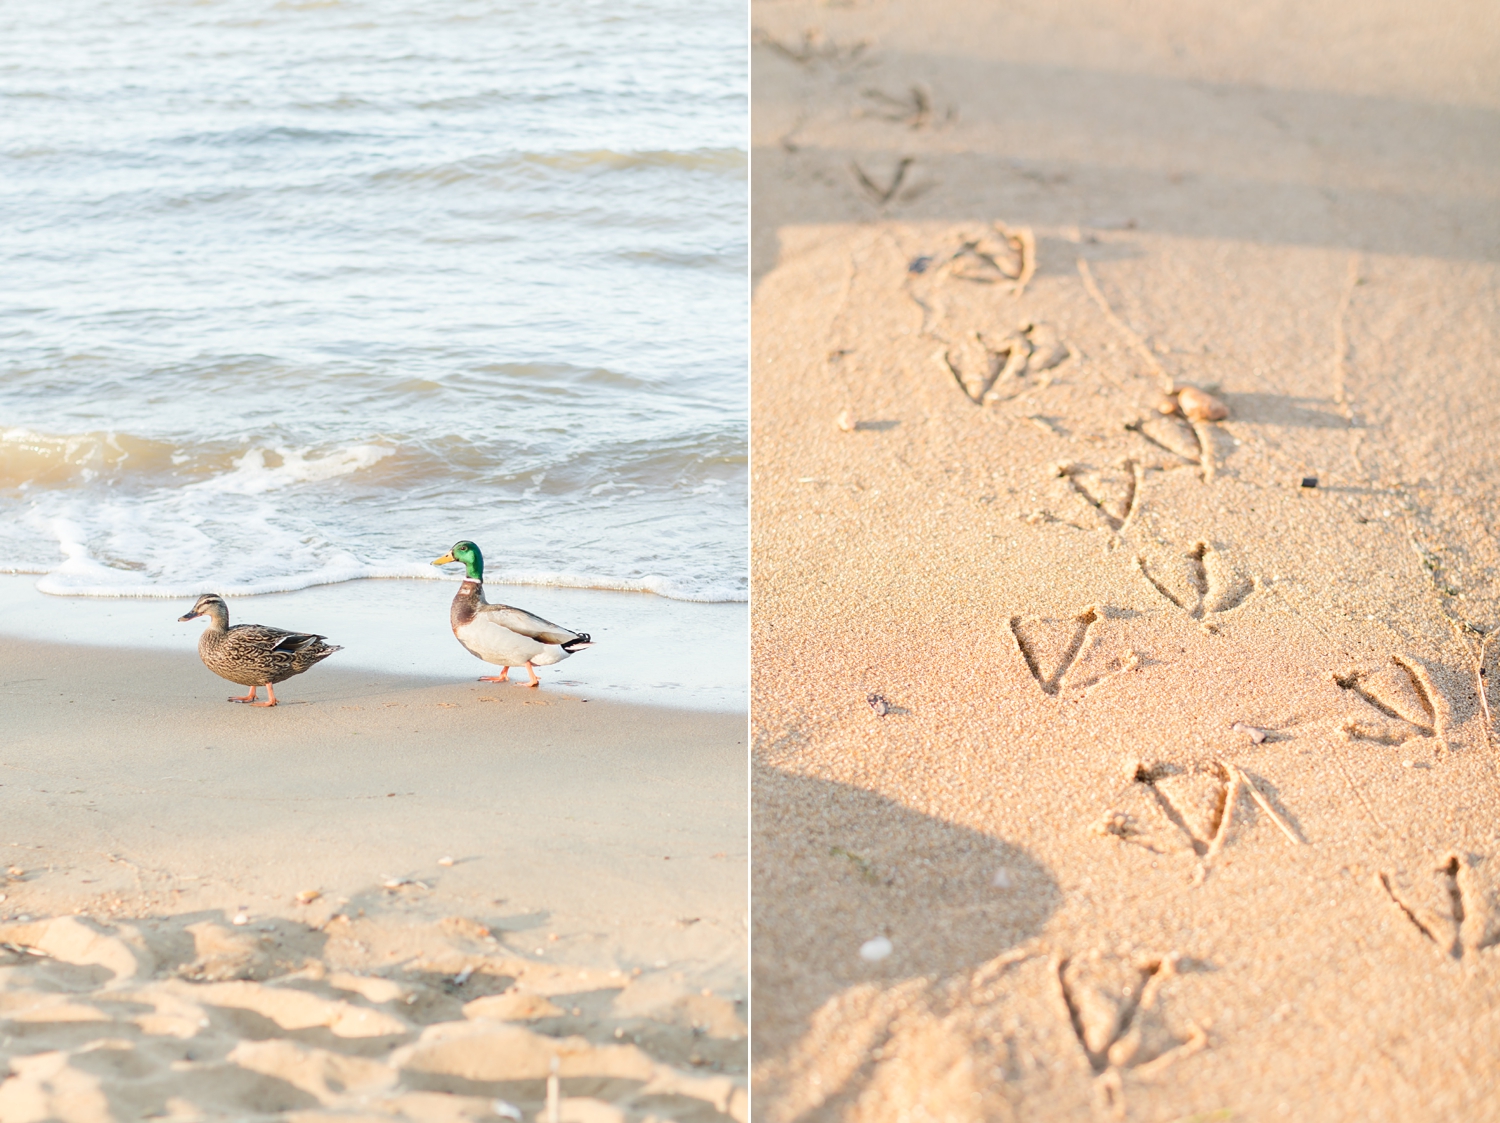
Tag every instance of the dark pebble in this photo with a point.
(919, 265)
(1309, 481)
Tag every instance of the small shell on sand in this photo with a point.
(879, 705)
(308, 896)
(845, 421)
(445, 861)
(1255, 734)
(240, 919)
(1200, 405)
(873, 951)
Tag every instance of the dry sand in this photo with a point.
(1101, 897)
(387, 898)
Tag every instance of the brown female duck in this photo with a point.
(253, 655)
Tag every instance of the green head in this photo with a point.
(469, 554)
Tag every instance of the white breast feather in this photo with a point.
(497, 644)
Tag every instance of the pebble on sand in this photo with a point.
(1255, 734)
(1200, 405)
(846, 422)
(873, 951)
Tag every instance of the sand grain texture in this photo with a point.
(1101, 896)
(387, 898)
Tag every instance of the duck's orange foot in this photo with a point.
(249, 699)
(498, 678)
(535, 682)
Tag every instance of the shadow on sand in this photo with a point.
(836, 866)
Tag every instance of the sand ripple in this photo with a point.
(187, 1017)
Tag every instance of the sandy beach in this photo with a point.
(390, 897)
(1112, 763)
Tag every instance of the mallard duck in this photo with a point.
(253, 654)
(498, 633)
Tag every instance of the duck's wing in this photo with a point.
(275, 647)
(264, 638)
(296, 641)
(525, 623)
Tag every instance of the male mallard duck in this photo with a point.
(498, 633)
(253, 654)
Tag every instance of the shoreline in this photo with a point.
(698, 652)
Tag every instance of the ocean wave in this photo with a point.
(252, 475)
(696, 159)
(713, 160)
(255, 364)
(251, 135)
(30, 458)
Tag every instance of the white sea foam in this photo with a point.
(252, 476)
(85, 577)
(81, 574)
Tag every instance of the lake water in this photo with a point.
(301, 293)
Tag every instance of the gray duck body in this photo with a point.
(254, 654)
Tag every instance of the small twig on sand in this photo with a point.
(1265, 804)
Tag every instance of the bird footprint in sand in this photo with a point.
(1200, 582)
(990, 369)
(1456, 905)
(1401, 693)
(1071, 654)
(1116, 1009)
(1110, 491)
(1204, 804)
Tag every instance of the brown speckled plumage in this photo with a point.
(254, 654)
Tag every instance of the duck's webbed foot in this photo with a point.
(271, 693)
(503, 676)
(248, 697)
(535, 682)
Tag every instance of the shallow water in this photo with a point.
(298, 293)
